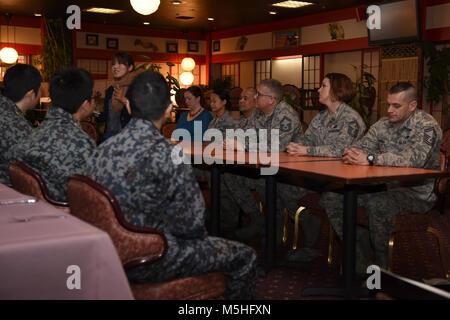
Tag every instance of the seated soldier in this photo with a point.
(407, 137)
(154, 191)
(329, 134)
(21, 93)
(59, 147)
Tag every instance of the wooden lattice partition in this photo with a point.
(399, 63)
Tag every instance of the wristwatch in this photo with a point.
(370, 158)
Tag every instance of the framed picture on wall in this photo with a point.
(192, 46)
(286, 39)
(112, 43)
(172, 47)
(92, 40)
(216, 45)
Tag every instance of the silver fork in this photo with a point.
(27, 219)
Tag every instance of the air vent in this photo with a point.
(184, 17)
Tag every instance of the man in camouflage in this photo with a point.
(21, 93)
(154, 191)
(329, 134)
(271, 113)
(407, 137)
(247, 104)
(59, 147)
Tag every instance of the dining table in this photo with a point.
(325, 169)
(48, 254)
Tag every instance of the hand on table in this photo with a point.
(355, 156)
(296, 149)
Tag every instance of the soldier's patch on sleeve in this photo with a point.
(286, 124)
(352, 130)
(429, 136)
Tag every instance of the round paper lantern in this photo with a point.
(145, 7)
(8, 55)
(186, 78)
(188, 64)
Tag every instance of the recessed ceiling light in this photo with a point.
(103, 10)
(176, 2)
(146, 23)
(292, 4)
(273, 12)
(37, 15)
(211, 19)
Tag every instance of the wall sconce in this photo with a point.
(145, 7)
(188, 64)
(8, 55)
(187, 78)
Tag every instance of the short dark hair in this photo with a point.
(123, 58)
(341, 87)
(149, 96)
(408, 88)
(20, 79)
(223, 95)
(70, 88)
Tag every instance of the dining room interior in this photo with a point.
(234, 45)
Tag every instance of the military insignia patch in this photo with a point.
(429, 135)
(286, 124)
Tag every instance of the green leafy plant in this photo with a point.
(437, 82)
(365, 94)
(173, 82)
(56, 53)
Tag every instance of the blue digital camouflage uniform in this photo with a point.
(15, 129)
(153, 191)
(58, 148)
(413, 143)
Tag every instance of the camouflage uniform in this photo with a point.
(413, 143)
(15, 129)
(285, 119)
(58, 148)
(155, 192)
(226, 121)
(328, 137)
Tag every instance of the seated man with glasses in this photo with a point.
(271, 113)
(59, 147)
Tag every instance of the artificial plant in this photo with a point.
(365, 94)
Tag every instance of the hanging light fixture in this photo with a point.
(8, 55)
(187, 78)
(188, 64)
(145, 7)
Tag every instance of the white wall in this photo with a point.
(342, 62)
(288, 71)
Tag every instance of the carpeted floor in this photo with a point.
(415, 257)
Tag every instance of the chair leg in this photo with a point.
(391, 251)
(440, 240)
(297, 223)
(330, 245)
(286, 218)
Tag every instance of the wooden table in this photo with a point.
(351, 176)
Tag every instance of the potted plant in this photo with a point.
(437, 82)
(366, 93)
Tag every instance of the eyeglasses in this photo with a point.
(262, 95)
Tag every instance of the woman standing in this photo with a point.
(117, 114)
(196, 114)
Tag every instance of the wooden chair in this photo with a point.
(27, 181)
(90, 129)
(167, 130)
(136, 246)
